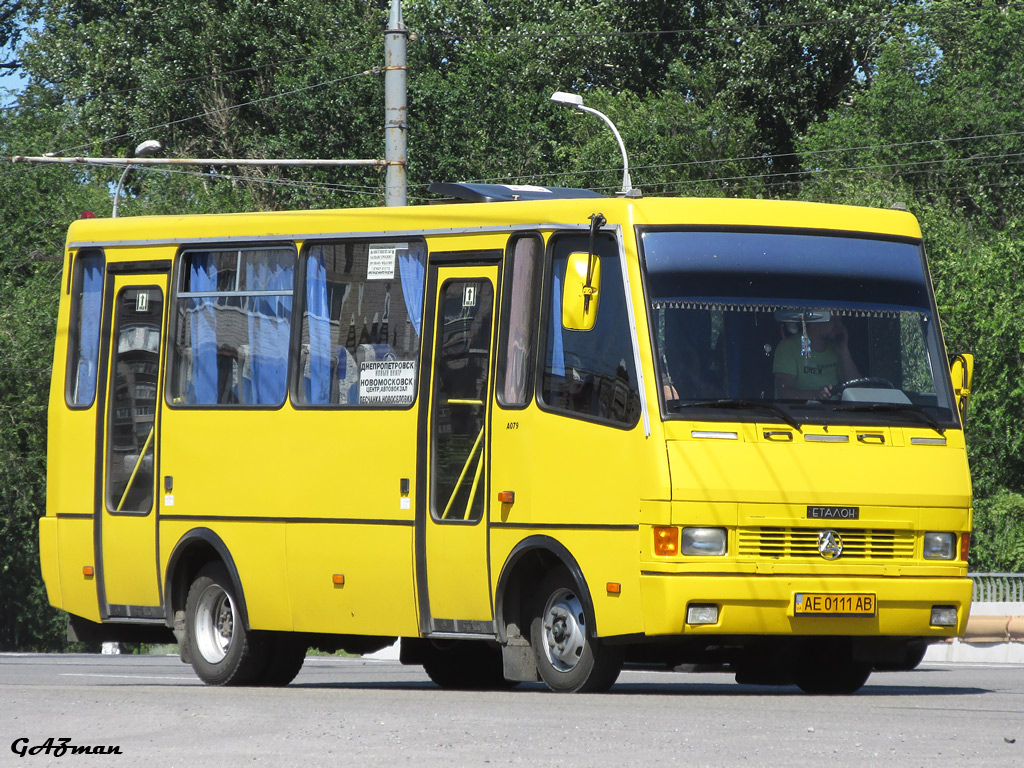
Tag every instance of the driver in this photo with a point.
(809, 364)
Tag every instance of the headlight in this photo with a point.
(702, 541)
(939, 546)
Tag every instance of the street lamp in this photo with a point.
(575, 101)
(144, 149)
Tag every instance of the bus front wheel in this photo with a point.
(569, 658)
(827, 666)
(285, 656)
(221, 649)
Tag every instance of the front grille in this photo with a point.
(858, 543)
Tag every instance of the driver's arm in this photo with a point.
(839, 338)
(786, 389)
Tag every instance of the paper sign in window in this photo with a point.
(387, 382)
(381, 262)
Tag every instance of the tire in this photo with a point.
(828, 668)
(569, 658)
(222, 651)
(465, 665)
(285, 654)
(914, 656)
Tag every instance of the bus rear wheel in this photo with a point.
(221, 649)
(569, 658)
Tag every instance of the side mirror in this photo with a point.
(961, 370)
(581, 291)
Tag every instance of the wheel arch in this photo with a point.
(194, 550)
(523, 570)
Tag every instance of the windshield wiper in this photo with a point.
(738, 404)
(893, 407)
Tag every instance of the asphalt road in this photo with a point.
(342, 712)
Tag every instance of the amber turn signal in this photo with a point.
(506, 497)
(666, 541)
(339, 579)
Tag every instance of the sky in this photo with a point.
(9, 81)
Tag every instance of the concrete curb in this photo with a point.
(994, 634)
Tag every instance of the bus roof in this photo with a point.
(545, 214)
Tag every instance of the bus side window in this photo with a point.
(591, 374)
(84, 330)
(233, 318)
(362, 311)
(520, 297)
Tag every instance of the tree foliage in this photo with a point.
(868, 102)
(37, 202)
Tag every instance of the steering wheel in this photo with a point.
(863, 381)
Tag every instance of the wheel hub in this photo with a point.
(564, 631)
(215, 624)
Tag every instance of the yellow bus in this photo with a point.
(536, 435)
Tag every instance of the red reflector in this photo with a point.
(339, 579)
(506, 497)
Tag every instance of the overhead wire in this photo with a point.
(761, 158)
(222, 110)
(900, 16)
(800, 154)
(297, 183)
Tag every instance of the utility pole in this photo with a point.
(396, 37)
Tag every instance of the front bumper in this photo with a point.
(764, 604)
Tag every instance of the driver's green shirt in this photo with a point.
(819, 370)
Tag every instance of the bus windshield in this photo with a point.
(798, 327)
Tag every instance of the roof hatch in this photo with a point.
(505, 193)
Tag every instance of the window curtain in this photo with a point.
(89, 329)
(557, 352)
(318, 382)
(202, 383)
(411, 271)
(268, 322)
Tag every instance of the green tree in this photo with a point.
(998, 534)
(14, 17)
(856, 101)
(219, 78)
(39, 203)
(939, 130)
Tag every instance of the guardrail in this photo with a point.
(995, 626)
(998, 587)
